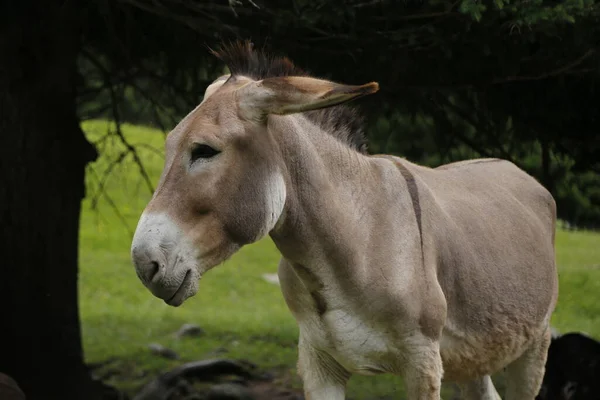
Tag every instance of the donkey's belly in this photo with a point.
(466, 356)
(364, 349)
(356, 345)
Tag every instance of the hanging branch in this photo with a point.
(105, 175)
(111, 203)
(155, 105)
(128, 146)
(117, 118)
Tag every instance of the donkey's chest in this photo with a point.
(353, 341)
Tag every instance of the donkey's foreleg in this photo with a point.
(323, 378)
(423, 369)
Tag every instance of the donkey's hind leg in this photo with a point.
(479, 389)
(524, 375)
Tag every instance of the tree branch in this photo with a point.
(549, 74)
(117, 119)
(111, 203)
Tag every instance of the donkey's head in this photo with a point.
(223, 182)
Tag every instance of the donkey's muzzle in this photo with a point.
(164, 259)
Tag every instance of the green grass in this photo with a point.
(578, 256)
(238, 310)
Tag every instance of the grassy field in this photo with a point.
(244, 317)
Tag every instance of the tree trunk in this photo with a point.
(43, 154)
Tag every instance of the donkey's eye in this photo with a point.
(203, 151)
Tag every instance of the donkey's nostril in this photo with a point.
(154, 268)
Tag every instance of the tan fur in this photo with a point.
(388, 267)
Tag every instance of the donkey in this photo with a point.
(432, 274)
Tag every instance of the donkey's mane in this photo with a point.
(342, 122)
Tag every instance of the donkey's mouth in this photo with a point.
(182, 291)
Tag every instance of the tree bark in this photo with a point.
(43, 154)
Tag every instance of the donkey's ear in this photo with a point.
(294, 94)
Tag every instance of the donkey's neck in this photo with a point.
(330, 191)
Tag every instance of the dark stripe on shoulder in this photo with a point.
(413, 191)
